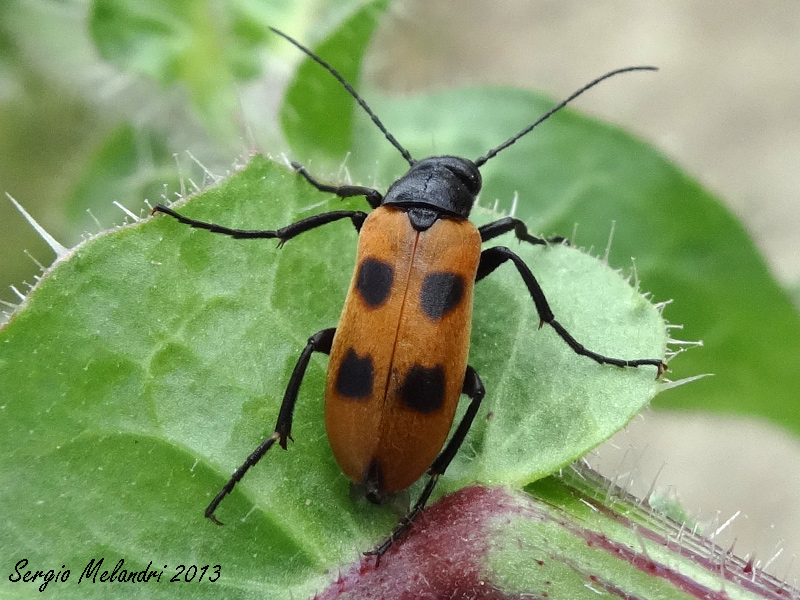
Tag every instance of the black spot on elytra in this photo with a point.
(423, 388)
(441, 293)
(356, 374)
(373, 482)
(374, 281)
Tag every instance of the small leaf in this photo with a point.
(317, 114)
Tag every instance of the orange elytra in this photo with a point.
(411, 290)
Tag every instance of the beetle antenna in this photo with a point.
(482, 160)
(351, 91)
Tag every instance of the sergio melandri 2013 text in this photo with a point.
(93, 573)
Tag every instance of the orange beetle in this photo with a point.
(398, 357)
(412, 290)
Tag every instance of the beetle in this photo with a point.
(398, 357)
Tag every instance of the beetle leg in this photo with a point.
(506, 224)
(283, 234)
(473, 387)
(491, 258)
(319, 342)
(373, 196)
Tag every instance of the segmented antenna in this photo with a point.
(492, 153)
(351, 91)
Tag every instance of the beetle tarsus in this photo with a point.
(210, 515)
(283, 440)
(662, 368)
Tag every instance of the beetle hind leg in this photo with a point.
(473, 388)
(319, 342)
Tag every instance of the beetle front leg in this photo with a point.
(506, 224)
(491, 258)
(473, 388)
(284, 234)
(374, 197)
(319, 342)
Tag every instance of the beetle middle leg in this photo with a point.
(491, 258)
(506, 224)
(319, 342)
(473, 388)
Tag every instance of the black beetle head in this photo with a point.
(444, 183)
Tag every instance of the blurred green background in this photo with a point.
(113, 100)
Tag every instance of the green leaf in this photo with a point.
(317, 113)
(146, 366)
